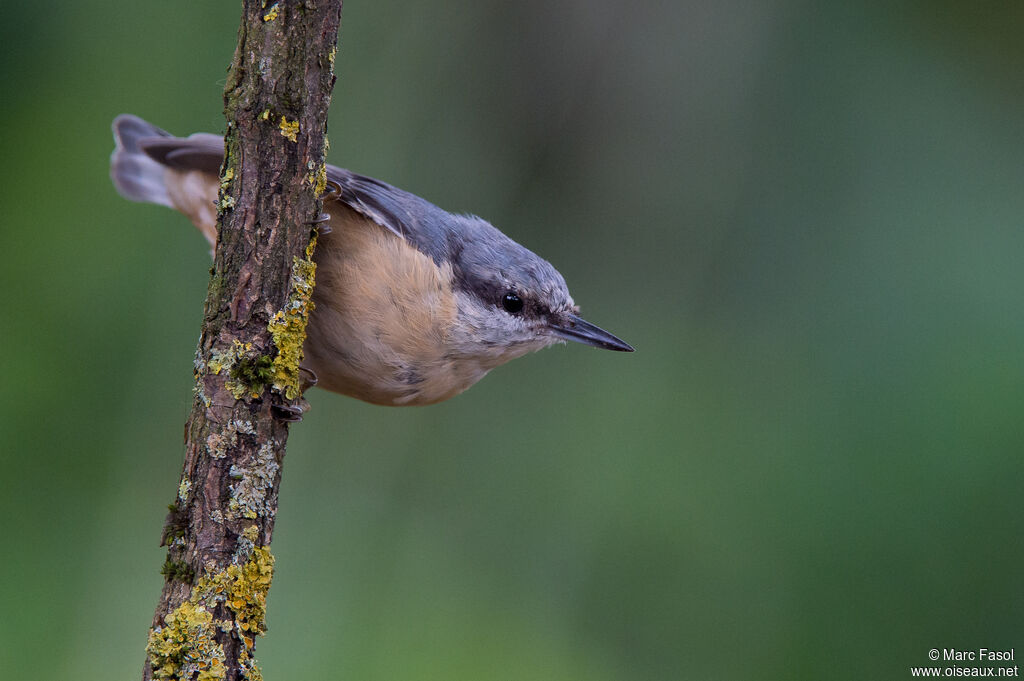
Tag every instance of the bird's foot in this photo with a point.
(292, 411)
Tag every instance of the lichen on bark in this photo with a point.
(186, 645)
(288, 326)
(219, 566)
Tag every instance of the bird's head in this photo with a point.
(511, 301)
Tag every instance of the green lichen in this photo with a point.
(288, 326)
(177, 570)
(290, 129)
(254, 371)
(248, 371)
(254, 482)
(173, 532)
(216, 282)
(185, 646)
(174, 526)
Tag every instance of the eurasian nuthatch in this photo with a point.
(412, 304)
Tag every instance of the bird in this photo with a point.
(412, 304)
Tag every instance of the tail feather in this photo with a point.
(137, 176)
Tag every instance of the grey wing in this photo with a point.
(416, 220)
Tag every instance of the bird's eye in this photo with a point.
(512, 303)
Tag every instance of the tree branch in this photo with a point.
(218, 532)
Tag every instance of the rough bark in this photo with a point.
(218, 532)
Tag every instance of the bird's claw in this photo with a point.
(292, 411)
(321, 222)
(307, 378)
(333, 192)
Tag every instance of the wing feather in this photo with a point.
(416, 220)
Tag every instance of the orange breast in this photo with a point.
(381, 327)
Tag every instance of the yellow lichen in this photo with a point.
(272, 14)
(226, 201)
(183, 489)
(243, 589)
(185, 646)
(310, 249)
(245, 544)
(265, 115)
(317, 177)
(288, 326)
(219, 361)
(290, 129)
(251, 533)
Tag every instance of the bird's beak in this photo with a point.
(571, 327)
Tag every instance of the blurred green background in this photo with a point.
(806, 216)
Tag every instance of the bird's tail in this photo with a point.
(137, 176)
